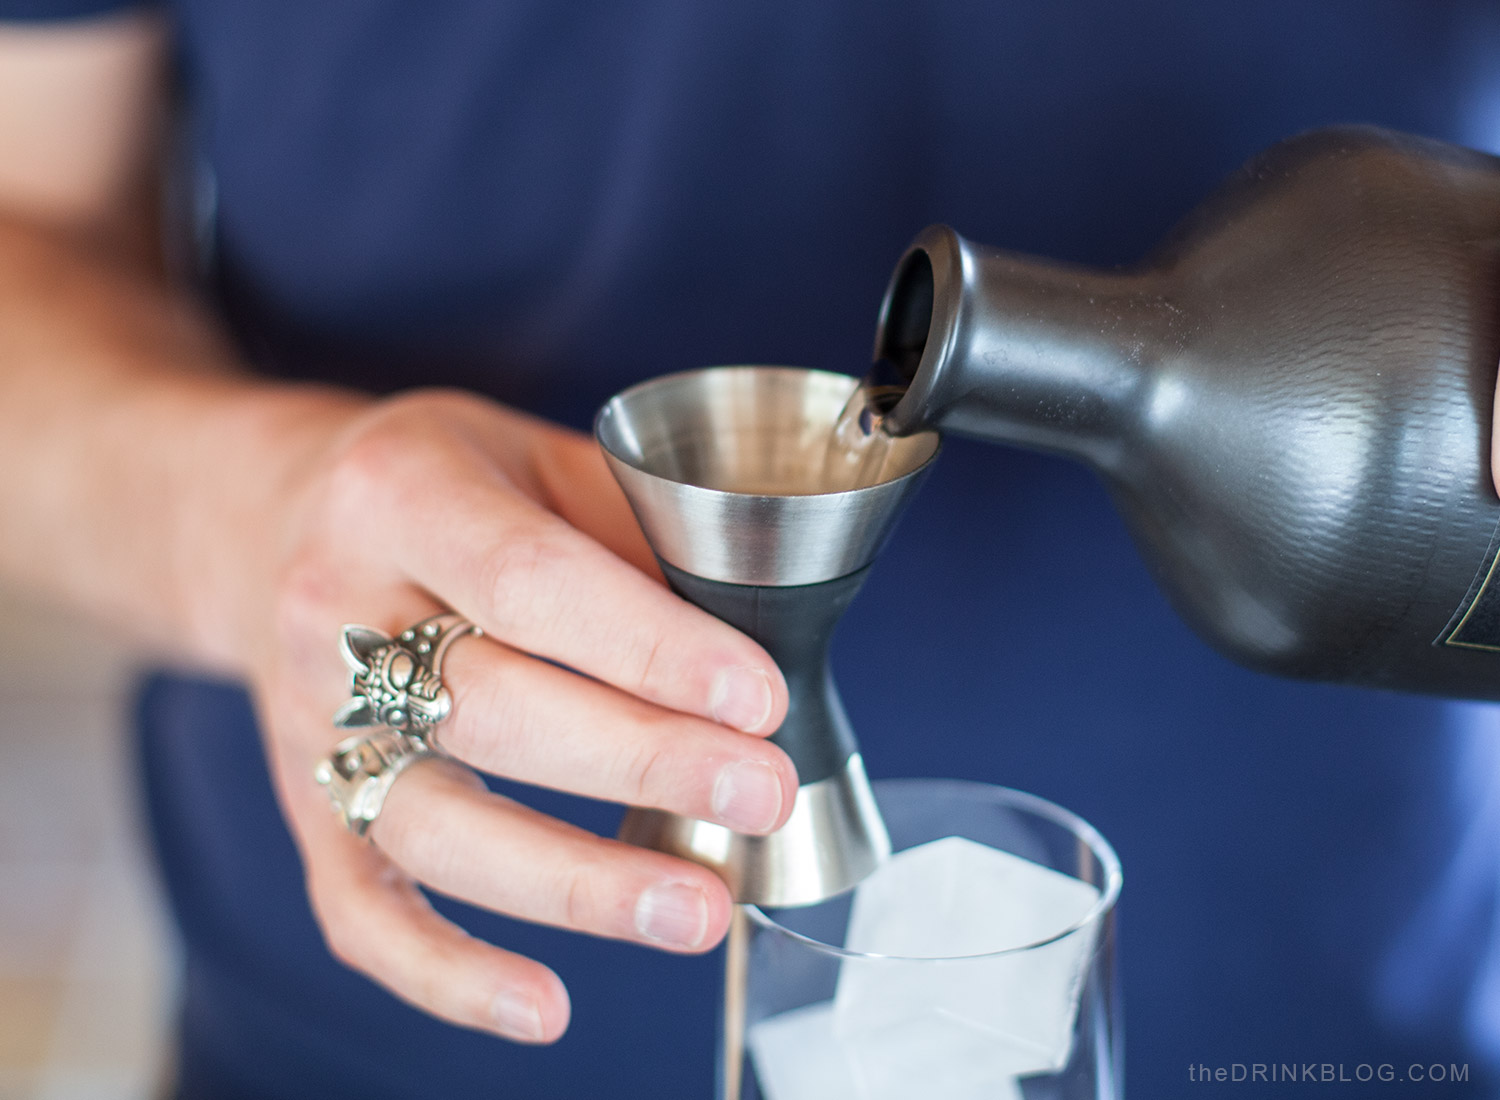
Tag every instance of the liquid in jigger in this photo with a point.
(859, 444)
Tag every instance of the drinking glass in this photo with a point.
(1008, 994)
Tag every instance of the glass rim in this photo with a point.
(1109, 892)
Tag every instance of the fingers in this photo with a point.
(487, 850)
(377, 922)
(577, 485)
(532, 580)
(374, 918)
(1495, 443)
(415, 513)
(516, 716)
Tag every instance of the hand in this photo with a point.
(443, 499)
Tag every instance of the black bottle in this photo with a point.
(1291, 400)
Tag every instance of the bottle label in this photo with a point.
(1476, 623)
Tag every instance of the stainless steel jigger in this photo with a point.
(725, 469)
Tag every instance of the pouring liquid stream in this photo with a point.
(859, 445)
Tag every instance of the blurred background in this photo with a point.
(87, 969)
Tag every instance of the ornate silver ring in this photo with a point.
(397, 681)
(359, 772)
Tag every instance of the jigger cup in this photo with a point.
(729, 472)
(1021, 1003)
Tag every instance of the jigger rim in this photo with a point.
(782, 538)
(1112, 876)
(606, 416)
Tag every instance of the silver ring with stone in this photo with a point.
(359, 772)
(398, 681)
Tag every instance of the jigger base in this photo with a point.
(833, 839)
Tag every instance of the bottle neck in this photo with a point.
(1016, 350)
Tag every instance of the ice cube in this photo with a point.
(1000, 1015)
(935, 1059)
(933, 1024)
(796, 1056)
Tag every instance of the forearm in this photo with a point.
(149, 468)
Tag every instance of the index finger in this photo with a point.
(532, 580)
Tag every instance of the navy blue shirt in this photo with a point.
(546, 202)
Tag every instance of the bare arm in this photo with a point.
(130, 423)
(150, 477)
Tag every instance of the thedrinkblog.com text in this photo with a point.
(1326, 1073)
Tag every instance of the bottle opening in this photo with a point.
(907, 317)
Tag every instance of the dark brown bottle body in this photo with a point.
(1291, 400)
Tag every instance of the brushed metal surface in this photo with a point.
(832, 840)
(724, 468)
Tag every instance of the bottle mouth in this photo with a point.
(905, 318)
(918, 320)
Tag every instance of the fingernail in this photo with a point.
(672, 913)
(516, 1014)
(742, 698)
(747, 796)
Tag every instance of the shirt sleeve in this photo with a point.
(43, 11)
